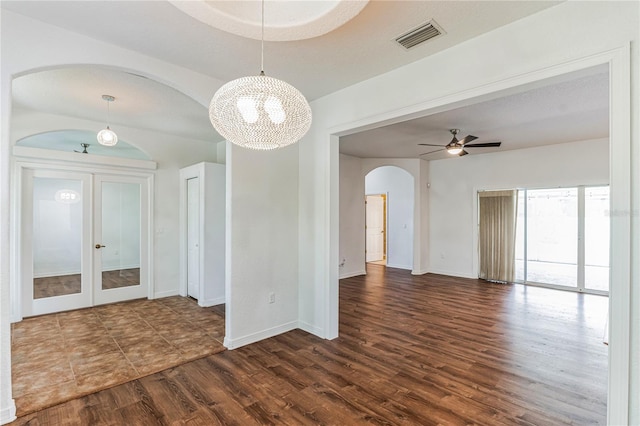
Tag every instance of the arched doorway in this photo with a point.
(389, 230)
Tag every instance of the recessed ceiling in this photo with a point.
(283, 20)
(573, 109)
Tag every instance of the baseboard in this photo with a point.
(419, 272)
(169, 293)
(452, 274)
(205, 303)
(260, 335)
(310, 328)
(352, 274)
(8, 414)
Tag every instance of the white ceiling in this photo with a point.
(360, 49)
(576, 108)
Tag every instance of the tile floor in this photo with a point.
(62, 356)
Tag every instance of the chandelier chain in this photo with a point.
(262, 42)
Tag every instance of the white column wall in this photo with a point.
(352, 214)
(262, 244)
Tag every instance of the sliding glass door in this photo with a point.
(596, 238)
(562, 238)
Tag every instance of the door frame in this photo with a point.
(40, 159)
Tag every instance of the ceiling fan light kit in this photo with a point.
(456, 147)
(260, 112)
(107, 137)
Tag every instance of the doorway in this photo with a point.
(84, 240)
(376, 228)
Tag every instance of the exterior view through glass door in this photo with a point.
(83, 240)
(562, 238)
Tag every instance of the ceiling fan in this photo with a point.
(456, 147)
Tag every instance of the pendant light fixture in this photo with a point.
(260, 112)
(107, 137)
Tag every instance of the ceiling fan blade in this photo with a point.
(483, 145)
(463, 152)
(428, 144)
(431, 152)
(468, 139)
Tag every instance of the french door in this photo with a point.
(84, 240)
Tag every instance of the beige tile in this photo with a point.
(103, 381)
(100, 363)
(57, 357)
(46, 397)
(34, 376)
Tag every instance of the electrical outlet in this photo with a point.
(272, 297)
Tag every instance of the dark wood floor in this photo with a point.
(412, 350)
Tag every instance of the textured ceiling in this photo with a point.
(574, 109)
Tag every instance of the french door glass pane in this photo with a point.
(596, 230)
(552, 236)
(120, 235)
(57, 237)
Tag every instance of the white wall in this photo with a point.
(456, 181)
(398, 185)
(262, 244)
(352, 212)
(557, 40)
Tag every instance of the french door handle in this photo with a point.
(99, 246)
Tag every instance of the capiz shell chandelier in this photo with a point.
(260, 112)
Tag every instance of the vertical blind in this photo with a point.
(497, 235)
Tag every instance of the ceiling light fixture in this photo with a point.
(107, 137)
(260, 112)
(454, 147)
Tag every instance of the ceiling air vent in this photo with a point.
(419, 35)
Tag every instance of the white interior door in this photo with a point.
(374, 209)
(193, 237)
(55, 244)
(121, 235)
